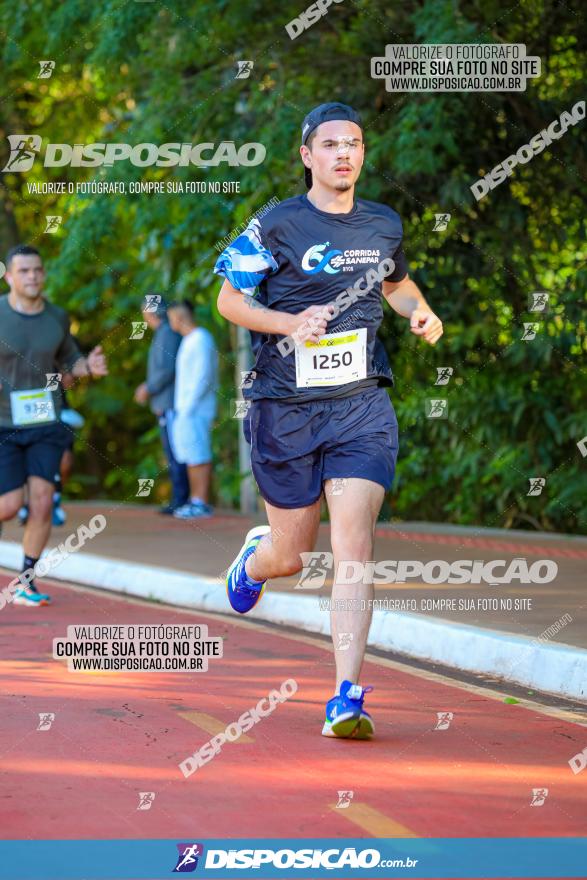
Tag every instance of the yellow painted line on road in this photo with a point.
(211, 725)
(372, 821)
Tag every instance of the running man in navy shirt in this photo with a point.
(307, 279)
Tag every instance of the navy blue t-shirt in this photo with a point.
(298, 256)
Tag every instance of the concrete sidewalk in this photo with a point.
(147, 554)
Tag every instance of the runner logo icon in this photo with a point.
(187, 860)
(314, 571)
(539, 796)
(23, 149)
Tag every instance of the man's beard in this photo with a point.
(343, 185)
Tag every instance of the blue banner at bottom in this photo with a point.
(502, 857)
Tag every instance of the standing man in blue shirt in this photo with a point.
(194, 407)
(159, 390)
(320, 418)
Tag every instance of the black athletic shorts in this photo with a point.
(31, 452)
(295, 447)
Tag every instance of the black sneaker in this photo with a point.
(167, 510)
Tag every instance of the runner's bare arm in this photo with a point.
(404, 296)
(406, 299)
(246, 311)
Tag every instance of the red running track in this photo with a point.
(117, 734)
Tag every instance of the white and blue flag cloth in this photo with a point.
(246, 261)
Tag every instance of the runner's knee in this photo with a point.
(346, 545)
(41, 504)
(10, 505)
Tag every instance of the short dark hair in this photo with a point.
(183, 304)
(308, 171)
(21, 250)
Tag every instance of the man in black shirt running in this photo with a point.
(34, 340)
(320, 418)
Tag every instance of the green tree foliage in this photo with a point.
(138, 72)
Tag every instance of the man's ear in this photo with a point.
(304, 153)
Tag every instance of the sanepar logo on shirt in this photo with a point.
(333, 261)
(315, 260)
(25, 147)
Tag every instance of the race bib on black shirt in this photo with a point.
(296, 256)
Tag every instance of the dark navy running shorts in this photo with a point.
(31, 452)
(296, 446)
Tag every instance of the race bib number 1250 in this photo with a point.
(337, 359)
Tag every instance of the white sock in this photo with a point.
(196, 500)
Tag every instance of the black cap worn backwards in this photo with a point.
(325, 113)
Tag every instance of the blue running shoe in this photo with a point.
(31, 597)
(193, 510)
(345, 716)
(242, 593)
